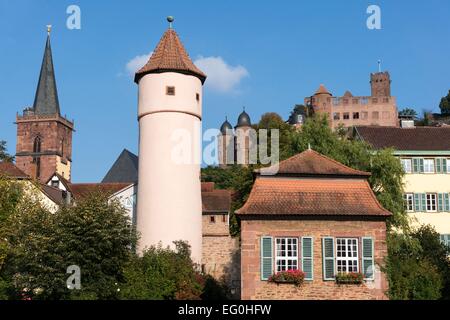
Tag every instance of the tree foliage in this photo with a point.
(4, 155)
(444, 105)
(417, 266)
(408, 112)
(95, 235)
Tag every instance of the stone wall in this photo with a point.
(254, 288)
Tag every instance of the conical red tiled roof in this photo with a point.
(322, 90)
(170, 55)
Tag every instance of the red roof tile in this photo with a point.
(321, 197)
(216, 201)
(406, 139)
(82, 190)
(311, 162)
(322, 90)
(170, 55)
(9, 170)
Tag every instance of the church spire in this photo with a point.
(46, 99)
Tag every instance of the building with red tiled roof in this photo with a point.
(9, 170)
(315, 215)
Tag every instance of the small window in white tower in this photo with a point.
(170, 91)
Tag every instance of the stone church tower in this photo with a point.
(380, 83)
(170, 116)
(44, 137)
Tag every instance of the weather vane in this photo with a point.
(170, 19)
(49, 29)
(379, 65)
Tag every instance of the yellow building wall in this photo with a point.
(429, 183)
(63, 168)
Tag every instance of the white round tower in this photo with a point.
(169, 205)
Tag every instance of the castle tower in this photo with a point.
(44, 137)
(242, 139)
(225, 144)
(169, 112)
(380, 83)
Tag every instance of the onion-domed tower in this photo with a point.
(226, 144)
(242, 139)
(170, 113)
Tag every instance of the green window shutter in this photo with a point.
(266, 257)
(444, 165)
(417, 202)
(423, 201)
(440, 202)
(416, 168)
(368, 264)
(328, 258)
(308, 257)
(422, 170)
(446, 202)
(438, 165)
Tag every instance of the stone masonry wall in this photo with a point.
(254, 288)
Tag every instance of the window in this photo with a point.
(431, 202)
(409, 201)
(445, 239)
(355, 115)
(336, 101)
(428, 165)
(212, 219)
(375, 100)
(170, 91)
(336, 116)
(346, 116)
(407, 165)
(224, 218)
(375, 115)
(345, 101)
(55, 183)
(347, 255)
(355, 101)
(286, 254)
(364, 115)
(448, 165)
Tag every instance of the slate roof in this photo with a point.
(46, 100)
(10, 170)
(406, 139)
(170, 55)
(311, 162)
(124, 170)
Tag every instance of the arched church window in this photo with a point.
(37, 145)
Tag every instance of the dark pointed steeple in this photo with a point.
(46, 99)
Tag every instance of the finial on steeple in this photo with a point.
(49, 29)
(170, 19)
(379, 65)
(243, 108)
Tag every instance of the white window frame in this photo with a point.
(405, 167)
(409, 201)
(429, 203)
(340, 258)
(427, 166)
(283, 256)
(448, 165)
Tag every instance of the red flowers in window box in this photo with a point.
(350, 278)
(289, 276)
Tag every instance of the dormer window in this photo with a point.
(170, 91)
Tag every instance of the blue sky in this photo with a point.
(265, 55)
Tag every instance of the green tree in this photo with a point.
(4, 156)
(408, 112)
(95, 235)
(444, 105)
(417, 265)
(162, 274)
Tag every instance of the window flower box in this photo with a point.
(349, 278)
(290, 276)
